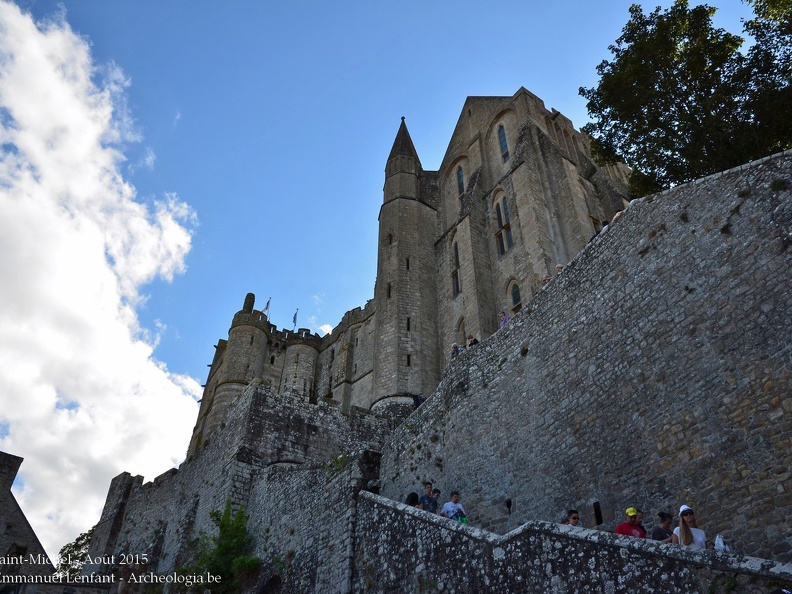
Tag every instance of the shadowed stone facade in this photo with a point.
(654, 370)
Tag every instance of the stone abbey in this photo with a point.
(653, 371)
(516, 194)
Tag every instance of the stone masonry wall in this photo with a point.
(264, 432)
(304, 523)
(402, 549)
(655, 370)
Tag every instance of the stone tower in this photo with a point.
(405, 296)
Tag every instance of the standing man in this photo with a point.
(454, 510)
(630, 526)
(429, 502)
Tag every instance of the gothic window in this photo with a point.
(460, 180)
(515, 297)
(504, 146)
(503, 237)
(455, 284)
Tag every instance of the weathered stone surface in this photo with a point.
(651, 372)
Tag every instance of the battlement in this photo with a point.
(259, 320)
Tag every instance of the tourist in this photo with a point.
(688, 534)
(429, 502)
(504, 319)
(472, 341)
(454, 510)
(628, 527)
(413, 500)
(639, 520)
(572, 517)
(662, 531)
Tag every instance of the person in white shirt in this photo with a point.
(688, 534)
(453, 509)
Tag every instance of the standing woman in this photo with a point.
(662, 531)
(688, 534)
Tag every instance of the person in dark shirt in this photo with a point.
(662, 531)
(429, 502)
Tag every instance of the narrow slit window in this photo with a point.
(504, 146)
(460, 180)
(504, 240)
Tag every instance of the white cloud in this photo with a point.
(326, 328)
(81, 397)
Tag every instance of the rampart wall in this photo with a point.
(655, 370)
(401, 549)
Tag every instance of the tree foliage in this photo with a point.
(678, 100)
(72, 557)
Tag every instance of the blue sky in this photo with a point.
(273, 121)
(254, 135)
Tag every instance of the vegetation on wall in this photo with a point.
(225, 555)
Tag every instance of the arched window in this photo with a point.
(456, 286)
(460, 180)
(504, 146)
(515, 297)
(503, 236)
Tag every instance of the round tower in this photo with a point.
(299, 368)
(237, 362)
(405, 360)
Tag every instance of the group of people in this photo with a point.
(687, 533)
(457, 349)
(430, 501)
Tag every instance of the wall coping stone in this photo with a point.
(713, 559)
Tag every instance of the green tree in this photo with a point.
(679, 100)
(72, 556)
(226, 554)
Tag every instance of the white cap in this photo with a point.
(683, 509)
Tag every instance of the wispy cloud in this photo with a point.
(81, 397)
(326, 328)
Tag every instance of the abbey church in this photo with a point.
(516, 194)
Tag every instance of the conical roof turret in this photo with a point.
(403, 145)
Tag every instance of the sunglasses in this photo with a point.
(687, 513)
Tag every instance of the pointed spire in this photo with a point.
(403, 145)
